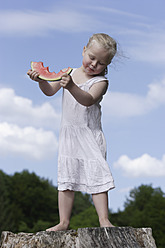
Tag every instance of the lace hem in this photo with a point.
(85, 188)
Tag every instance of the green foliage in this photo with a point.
(41, 225)
(29, 203)
(5, 207)
(23, 227)
(28, 199)
(145, 207)
(87, 218)
(34, 197)
(81, 202)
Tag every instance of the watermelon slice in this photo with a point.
(45, 74)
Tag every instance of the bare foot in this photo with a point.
(106, 223)
(59, 227)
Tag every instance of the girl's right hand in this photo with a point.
(34, 75)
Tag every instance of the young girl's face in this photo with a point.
(95, 59)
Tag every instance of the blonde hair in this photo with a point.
(106, 42)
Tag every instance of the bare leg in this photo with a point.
(101, 204)
(65, 202)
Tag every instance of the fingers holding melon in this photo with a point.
(34, 75)
(66, 81)
(38, 70)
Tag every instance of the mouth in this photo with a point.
(91, 69)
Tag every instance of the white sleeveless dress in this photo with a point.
(82, 162)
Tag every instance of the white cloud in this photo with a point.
(22, 126)
(116, 12)
(144, 166)
(13, 22)
(144, 36)
(126, 104)
(156, 93)
(20, 110)
(27, 142)
(148, 46)
(145, 39)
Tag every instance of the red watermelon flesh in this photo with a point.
(45, 74)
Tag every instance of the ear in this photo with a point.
(84, 49)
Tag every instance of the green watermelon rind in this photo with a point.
(68, 71)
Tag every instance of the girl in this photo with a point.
(82, 162)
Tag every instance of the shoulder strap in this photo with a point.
(96, 79)
(93, 80)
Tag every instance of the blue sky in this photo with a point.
(55, 32)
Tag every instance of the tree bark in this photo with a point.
(114, 237)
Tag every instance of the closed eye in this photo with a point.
(91, 57)
(101, 63)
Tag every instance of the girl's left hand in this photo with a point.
(66, 81)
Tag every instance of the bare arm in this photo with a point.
(48, 89)
(83, 97)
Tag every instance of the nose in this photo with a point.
(94, 63)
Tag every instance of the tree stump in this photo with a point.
(114, 237)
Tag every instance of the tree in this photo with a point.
(6, 220)
(81, 202)
(33, 199)
(87, 218)
(29, 203)
(145, 207)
